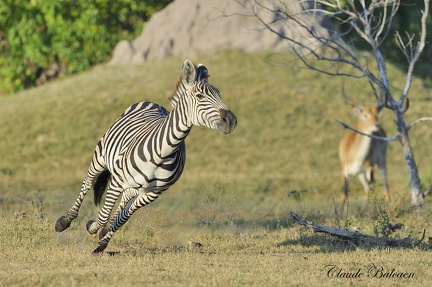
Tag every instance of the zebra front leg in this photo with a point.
(127, 196)
(65, 221)
(122, 217)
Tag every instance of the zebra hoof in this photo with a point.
(99, 249)
(62, 224)
(103, 232)
(88, 225)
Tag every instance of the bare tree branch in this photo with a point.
(386, 139)
(419, 121)
(417, 52)
(341, 53)
(427, 191)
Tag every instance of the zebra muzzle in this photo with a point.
(228, 121)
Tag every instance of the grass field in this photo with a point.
(235, 195)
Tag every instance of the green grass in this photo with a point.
(235, 194)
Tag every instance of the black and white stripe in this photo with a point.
(143, 153)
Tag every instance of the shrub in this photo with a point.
(40, 39)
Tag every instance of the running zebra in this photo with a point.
(144, 152)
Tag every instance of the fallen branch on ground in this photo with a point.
(359, 238)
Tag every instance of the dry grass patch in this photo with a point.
(235, 194)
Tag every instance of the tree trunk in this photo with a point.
(414, 183)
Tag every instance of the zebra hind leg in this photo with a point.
(127, 196)
(113, 193)
(122, 217)
(65, 221)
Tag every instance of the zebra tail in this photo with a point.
(100, 186)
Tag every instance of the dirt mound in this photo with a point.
(186, 27)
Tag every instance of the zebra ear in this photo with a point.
(188, 72)
(202, 73)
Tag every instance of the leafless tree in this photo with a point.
(371, 20)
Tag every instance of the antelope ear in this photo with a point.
(202, 73)
(188, 72)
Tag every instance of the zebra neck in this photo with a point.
(176, 128)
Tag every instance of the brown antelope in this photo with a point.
(359, 153)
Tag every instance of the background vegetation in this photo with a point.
(236, 191)
(40, 39)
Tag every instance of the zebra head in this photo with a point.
(203, 100)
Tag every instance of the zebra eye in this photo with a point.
(200, 96)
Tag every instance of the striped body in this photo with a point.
(151, 164)
(143, 153)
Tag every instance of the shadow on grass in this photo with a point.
(327, 243)
(194, 247)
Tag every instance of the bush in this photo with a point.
(40, 39)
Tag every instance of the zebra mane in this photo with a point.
(201, 75)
